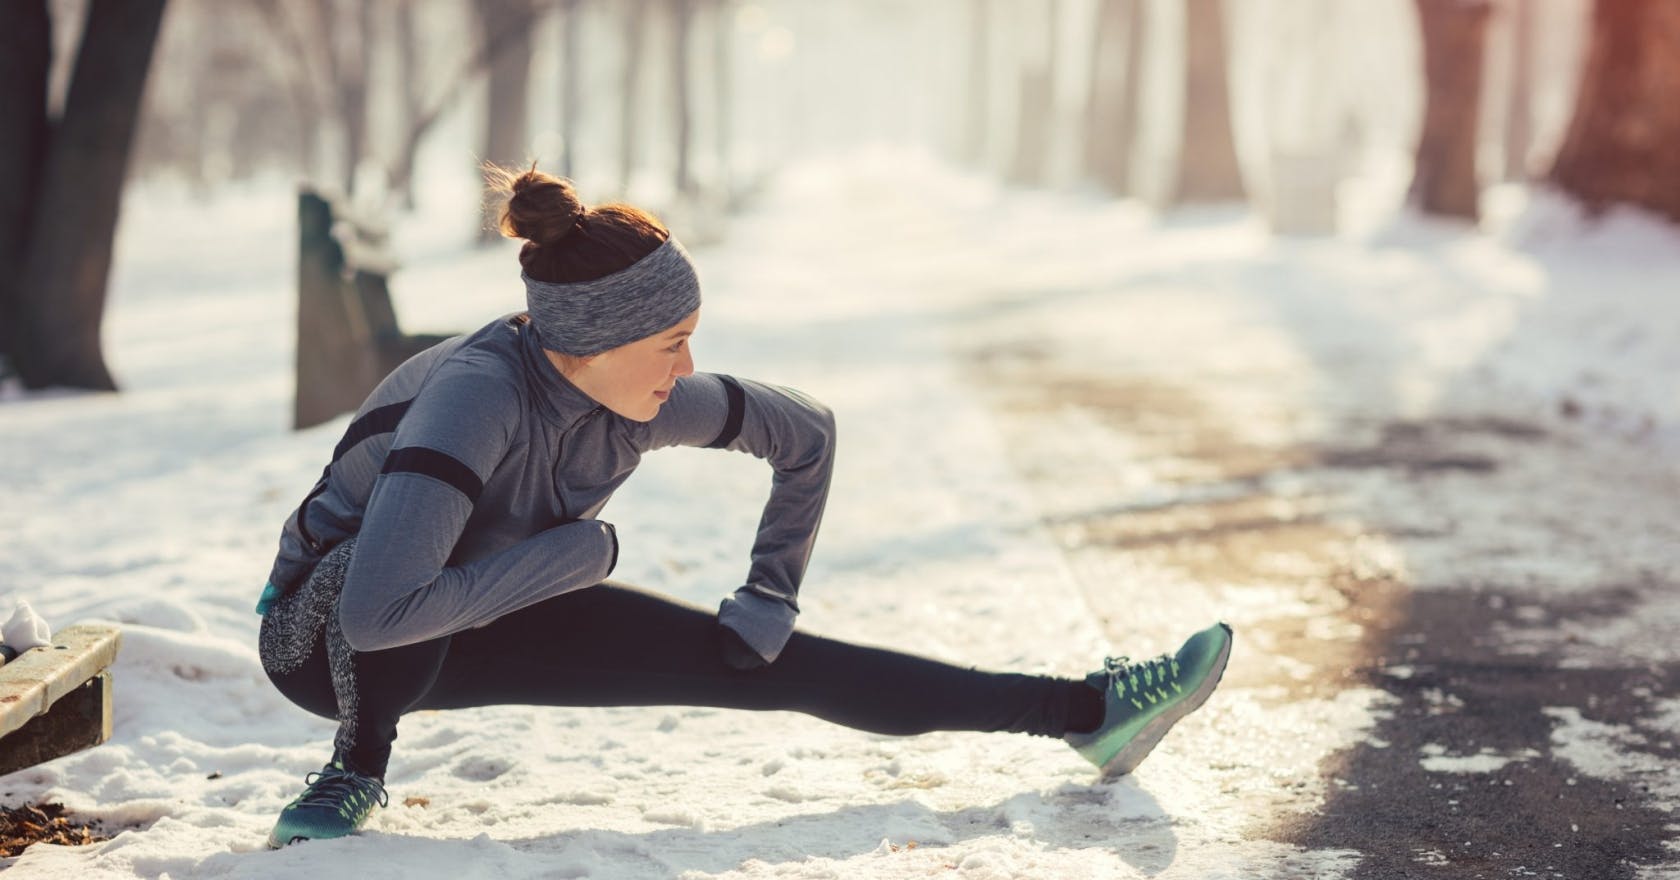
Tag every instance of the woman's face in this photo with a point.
(634, 379)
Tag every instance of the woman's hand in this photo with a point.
(756, 627)
(737, 654)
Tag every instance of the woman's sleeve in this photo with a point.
(796, 435)
(400, 588)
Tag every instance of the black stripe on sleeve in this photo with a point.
(438, 466)
(737, 411)
(377, 421)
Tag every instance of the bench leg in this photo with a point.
(79, 719)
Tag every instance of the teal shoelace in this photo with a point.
(1144, 684)
(351, 794)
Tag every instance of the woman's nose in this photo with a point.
(685, 363)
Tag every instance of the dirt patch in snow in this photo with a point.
(21, 827)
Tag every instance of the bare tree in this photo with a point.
(455, 85)
(506, 124)
(571, 84)
(348, 39)
(1036, 117)
(635, 39)
(1620, 145)
(410, 101)
(25, 67)
(294, 65)
(1519, 95)
(327, 67)
(1207, 168)
(723, 69)
(1444, 180)
(682, 36)
(1111, 114)
(59, 232)
(977, 122)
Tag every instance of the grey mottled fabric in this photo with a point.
(290, 629)
(590, 317)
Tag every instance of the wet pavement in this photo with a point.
(1490, 708)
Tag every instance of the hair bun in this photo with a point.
(540, 208)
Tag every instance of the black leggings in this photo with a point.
(616, 645)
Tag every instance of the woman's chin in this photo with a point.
(639, 413)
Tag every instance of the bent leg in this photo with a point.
(615, 645)
(304, 653)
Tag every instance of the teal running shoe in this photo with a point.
(336, 802)
(1142, 701)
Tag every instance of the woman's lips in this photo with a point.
(662, 395)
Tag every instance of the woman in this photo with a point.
(454, 537)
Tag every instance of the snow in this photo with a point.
(1601, 750)
(24, 630)
(862, 283)
(1436, 760)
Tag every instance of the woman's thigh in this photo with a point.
(606, 645)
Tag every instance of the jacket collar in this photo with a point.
(560, 403)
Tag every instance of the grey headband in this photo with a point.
(589, 317)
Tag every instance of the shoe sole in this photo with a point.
(1127, 759)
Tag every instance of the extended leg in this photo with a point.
(615, 645)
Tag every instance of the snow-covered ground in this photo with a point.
(871, 284)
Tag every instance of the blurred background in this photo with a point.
(1318, 116)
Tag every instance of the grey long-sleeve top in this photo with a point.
(473, 474)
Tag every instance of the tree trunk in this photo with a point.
(723, 64)
(571, 86)
(61, 290)
(1444, 178)
(410, 107)
(1112, 110)
(353, 93)
(25, 65)
(300, 84)
(635, 30)
(1620, 146)
(977, 124)
(1207, 168)
(343, 40)
(488, 48)
(682, 37)
(1037, 117)
(1519, 111)
(505, 131)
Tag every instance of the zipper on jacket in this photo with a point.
(560, 460)
(303, 510)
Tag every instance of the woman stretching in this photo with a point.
(454, 536)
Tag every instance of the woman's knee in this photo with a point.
(311, 692)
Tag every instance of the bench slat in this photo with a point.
(30, 684)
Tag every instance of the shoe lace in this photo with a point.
(336, 788)
(1145, 682)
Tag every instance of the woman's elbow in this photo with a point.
(366, 625)
(360, 633)
(827, 431)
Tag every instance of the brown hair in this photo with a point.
(565, 240)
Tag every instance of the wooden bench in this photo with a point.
(55, 700)
(347, 333)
